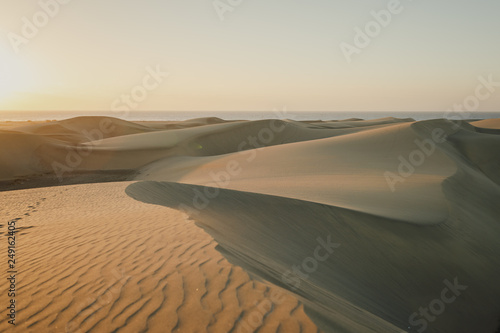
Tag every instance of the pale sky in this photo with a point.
(263, 55)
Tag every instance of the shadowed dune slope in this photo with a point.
(110, 127)
(380, 271)
(18, 156)
(104, 143)
(367, 223)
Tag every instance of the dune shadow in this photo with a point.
(381, 272)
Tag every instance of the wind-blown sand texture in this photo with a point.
(407, 206)
(92, 259)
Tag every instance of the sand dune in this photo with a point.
(93, 260)
(405, 209)
(487, 123)
(384, 267)
(340, 171)
(117, 144)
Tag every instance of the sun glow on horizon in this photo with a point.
(14, 76)
(91, 53)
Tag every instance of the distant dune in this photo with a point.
(388, 225)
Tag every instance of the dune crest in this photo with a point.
(384, 270)
(341, 226)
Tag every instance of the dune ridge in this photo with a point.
(460, 246)
(111, 142)
(396, 207)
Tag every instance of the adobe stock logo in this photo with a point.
(139, 93)
(294, 277)
(372, 29)
(31, 27)
(437, 306)
(224, 6)
(416, 158)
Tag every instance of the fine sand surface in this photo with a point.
(91, 259)
(367, 223)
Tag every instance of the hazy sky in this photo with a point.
(263, 55)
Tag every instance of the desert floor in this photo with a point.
(209, 225)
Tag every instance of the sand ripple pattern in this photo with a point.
(91, 259)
